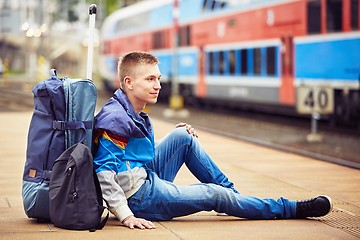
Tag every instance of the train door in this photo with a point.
(201, 85)
(287, 89)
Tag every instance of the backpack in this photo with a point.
(75, 196)
(63, 115)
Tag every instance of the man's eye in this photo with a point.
(152, 79)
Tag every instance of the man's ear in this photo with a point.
(127, 82)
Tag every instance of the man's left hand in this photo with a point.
(188, 127)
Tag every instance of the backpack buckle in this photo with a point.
(60, 125)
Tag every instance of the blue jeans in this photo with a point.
(159, 199)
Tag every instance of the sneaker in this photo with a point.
(315, 207)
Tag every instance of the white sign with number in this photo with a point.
(315, 100)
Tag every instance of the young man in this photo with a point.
(136, 174)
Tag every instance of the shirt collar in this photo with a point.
(125, 102)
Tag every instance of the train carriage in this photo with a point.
(253, 53)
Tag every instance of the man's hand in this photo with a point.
(188, 127)
(132, 222)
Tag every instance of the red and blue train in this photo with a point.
(250, 53)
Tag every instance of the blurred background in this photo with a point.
(36, 35)
(294, 56)
(296, 62)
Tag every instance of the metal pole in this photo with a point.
(314, 117)
(174, 85)
(92, 13)
(176, 101)
(314, 136)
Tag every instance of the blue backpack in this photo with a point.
(63, 116)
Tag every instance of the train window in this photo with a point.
(334, 15)
(214, 4)
(216, 62)
(270, 61)
(244, 62)
(237, 62)
(154, 40)
(205, 3)
(313, 16)
(158, 40)
(257, 61)
(221, 63)
(185, 36)
(209, 5)
(354, 14)
(211, 63)
(232, 62)
(188, 36)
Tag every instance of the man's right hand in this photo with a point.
(132, 222)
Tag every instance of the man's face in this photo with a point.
(145, 85)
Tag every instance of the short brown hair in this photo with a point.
(130, 60)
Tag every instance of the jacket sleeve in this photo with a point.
(114, 195)
(107, 163)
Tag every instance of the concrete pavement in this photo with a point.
(255, 171)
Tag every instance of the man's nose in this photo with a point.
(157, 85)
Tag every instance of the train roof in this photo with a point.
(157, 14)
(132, 10)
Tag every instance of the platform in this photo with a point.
(255, 170)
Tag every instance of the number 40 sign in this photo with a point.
(315, 100)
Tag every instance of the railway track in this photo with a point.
(339, 145)
(15, 100)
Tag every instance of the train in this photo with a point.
(251, 54)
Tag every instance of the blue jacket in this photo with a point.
(124, 143)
